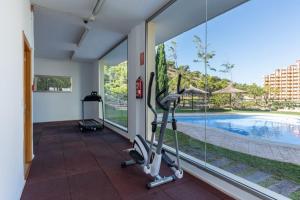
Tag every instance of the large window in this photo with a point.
(240, 113)
(115, 91)
(47, 83)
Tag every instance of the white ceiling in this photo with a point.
(58, 25)
(117, 55)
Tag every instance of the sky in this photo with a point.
(257, 37)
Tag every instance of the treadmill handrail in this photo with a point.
(92, 98)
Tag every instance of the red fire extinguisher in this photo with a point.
(139, 88)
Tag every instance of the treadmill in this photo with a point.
(91, 124)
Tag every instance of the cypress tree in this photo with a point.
(161, 68)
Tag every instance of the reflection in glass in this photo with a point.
(116, 85)
(249, 137)
(240, 112)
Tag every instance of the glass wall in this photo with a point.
(240, 112)
(114, 85)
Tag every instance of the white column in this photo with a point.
(136, 107)
(150, 60)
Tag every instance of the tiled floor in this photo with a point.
(70, 165)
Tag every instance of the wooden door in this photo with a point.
(27, 107)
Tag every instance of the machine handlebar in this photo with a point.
(179, 91)
(163, 91)
(149, 89)
(149, 95)
(158, 99)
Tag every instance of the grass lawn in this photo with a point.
(117, 116)
(279, 170)
(295, 195)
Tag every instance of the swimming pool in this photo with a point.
(276, 128)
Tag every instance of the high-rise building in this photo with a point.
(284, 84)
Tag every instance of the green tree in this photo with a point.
(220, 100)
(227, 68)
(266, 94)
(255, 91)
(171, 64)
(186, 80)
(115, 81)
(161, 68)
(203, 56)
(173, 53)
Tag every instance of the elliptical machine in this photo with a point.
(143, 154)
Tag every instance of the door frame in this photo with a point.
(27, 96)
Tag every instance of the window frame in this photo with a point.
(114, 124)
(52, 76)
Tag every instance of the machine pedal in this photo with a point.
(137, 157)
(167, 159)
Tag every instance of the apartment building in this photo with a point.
(284, 84)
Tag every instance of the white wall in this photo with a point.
(16, 17)
(136, 107)
(65, 106)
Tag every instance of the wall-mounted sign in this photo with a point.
(142, 58)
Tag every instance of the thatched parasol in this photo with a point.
(192, 91)
(229, 90)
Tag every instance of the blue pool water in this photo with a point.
(274, 128)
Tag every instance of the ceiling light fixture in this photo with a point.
(97, 7)
(95, 12)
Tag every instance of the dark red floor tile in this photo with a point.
(91, 164)
(49, 139)
(70, 153)
(46, 190)
(112, 137)
(74, 145)
(157, 195)
(45, 169)
(69, 138)
(46, 155)
(92, 185)
(91, 141)
(80, 164)
(109, 163)
(50, 147)
(103, 150)
(130, 182)
(120, 146)
(192, 190)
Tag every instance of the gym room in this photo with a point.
(150, 99)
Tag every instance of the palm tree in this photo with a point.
(173, 53)
(203, 56)
(227, 69)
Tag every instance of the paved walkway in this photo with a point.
(284, 187)
(222, 138)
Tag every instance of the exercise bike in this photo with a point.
(148, 157)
